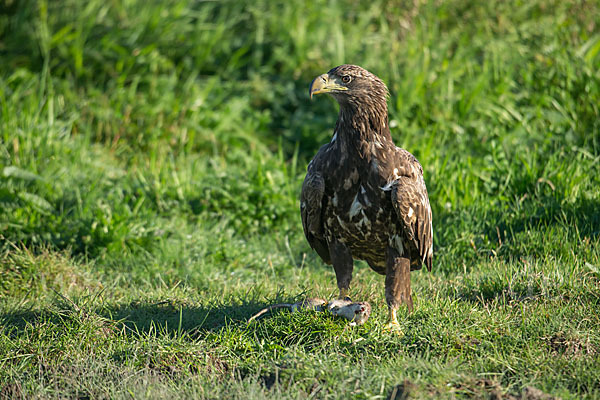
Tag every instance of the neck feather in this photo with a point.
(362, 125)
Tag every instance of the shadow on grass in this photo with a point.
(179, 318)
(582, 215)
(137, 317)
(538, 227)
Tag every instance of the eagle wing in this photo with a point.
(411, 203)
(311, 207)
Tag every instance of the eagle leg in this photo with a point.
(397, 285)
(343, 264)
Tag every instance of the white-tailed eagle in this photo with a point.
(363, 197)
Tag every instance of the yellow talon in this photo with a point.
(393, 318)
(343, 294)
(393, 325)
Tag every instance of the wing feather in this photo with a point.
(411, 203)
(311, 210)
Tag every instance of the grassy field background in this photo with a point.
(151, 157)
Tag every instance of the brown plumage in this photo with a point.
(363, 197)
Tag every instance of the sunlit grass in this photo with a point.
(151, 155)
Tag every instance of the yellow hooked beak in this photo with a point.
(325, 84)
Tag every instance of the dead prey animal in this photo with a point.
(355, 312)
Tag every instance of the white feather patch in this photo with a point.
(364, 198)
(388, 186)
(396, 243)
(334, 201)
(366, 201)
(356, 207)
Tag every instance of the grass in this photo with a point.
(151, 156)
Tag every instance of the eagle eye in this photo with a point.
(346, 79)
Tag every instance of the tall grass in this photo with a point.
(151, 155)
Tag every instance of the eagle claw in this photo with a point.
(393, 327)
(344, 295)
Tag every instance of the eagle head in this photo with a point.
(351, 85)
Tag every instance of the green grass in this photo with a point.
(151, 156)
